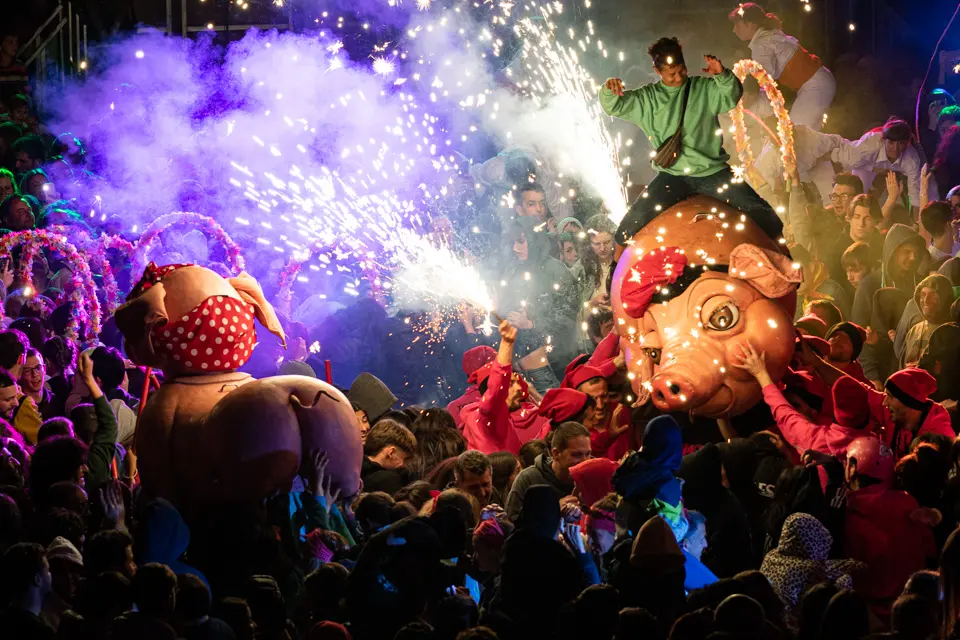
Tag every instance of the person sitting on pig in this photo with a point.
(850, 410)
(502, 420)
(689, 107)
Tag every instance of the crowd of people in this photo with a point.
(541, 498)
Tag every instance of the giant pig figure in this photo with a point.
(694, 284)
(212, 435)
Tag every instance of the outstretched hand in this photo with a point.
(714, 66)
(508, 332)
(753, 363)
(318, 482)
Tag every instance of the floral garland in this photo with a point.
(95, 251)
(784, 124)
(206, 224)
(83, 291)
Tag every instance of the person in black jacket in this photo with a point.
(388, 447)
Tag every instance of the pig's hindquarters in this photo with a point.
(258, 435)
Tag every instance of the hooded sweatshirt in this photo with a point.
(540, 473)
(910, 314)
(490, 426)
(646, 478)
(881, 533)
(936, 419)
(897, 236)
(472, 359)
(918, 337)
(800, 561)
(802, 434)
(163, 537)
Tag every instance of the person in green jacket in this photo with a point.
(701, 167)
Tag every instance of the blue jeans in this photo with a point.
(667, 190)
(542, 379)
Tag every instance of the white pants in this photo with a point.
(813, 100)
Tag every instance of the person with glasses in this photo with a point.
(32, 379)
(829, 223)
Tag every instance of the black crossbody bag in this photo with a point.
(670, 150)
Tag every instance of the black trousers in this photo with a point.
(667, 190)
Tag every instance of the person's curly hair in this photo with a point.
(59, 352)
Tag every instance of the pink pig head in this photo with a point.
(695, 284)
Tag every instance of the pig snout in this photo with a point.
(688, 378)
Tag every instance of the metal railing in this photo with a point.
(57, 49)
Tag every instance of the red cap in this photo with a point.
(594, 478)
(575, 364)
(580, 375)
(851, 406)
(821, 346)
(913, 387)
(874, 459)
(559, 405)
(475, 358)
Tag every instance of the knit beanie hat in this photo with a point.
(812, 325)
(913, 387)
(655, 548)
(851, 406)
(559, 405)
(476, 357)
(371, 396)
(62, 548)
(856, 333)
(805, 386)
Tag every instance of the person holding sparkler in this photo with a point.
(679, 115)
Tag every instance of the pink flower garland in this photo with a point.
(769, 86)
(206, 224)
(83, 294)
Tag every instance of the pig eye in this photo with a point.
(724, 317)
(653, 354)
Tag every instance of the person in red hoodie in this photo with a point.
(850, 408)
(883, 527)
(903, 410)
(502, 420)
(473, 360)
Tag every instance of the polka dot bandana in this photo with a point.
(216, 335)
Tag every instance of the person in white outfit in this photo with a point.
(888, 148)
(813, 151)
(788, 63)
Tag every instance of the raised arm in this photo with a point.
(853, 155)
(796, 430)
(493, 404)
(619, 103)
(724, 89)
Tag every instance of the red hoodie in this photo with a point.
(471, 395)
(936, 420)
(802, 434)
(490, 426)
(880, 532)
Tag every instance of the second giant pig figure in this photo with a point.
(213, 435)
(692, 285)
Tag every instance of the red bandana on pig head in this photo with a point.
(664, 274)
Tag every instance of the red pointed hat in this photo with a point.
(475, 358)
(559, 405)
(481, 374)
(851, 407)
(580, 375)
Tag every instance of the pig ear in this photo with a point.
(250, 292)
(771, 273)
(136, 320)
